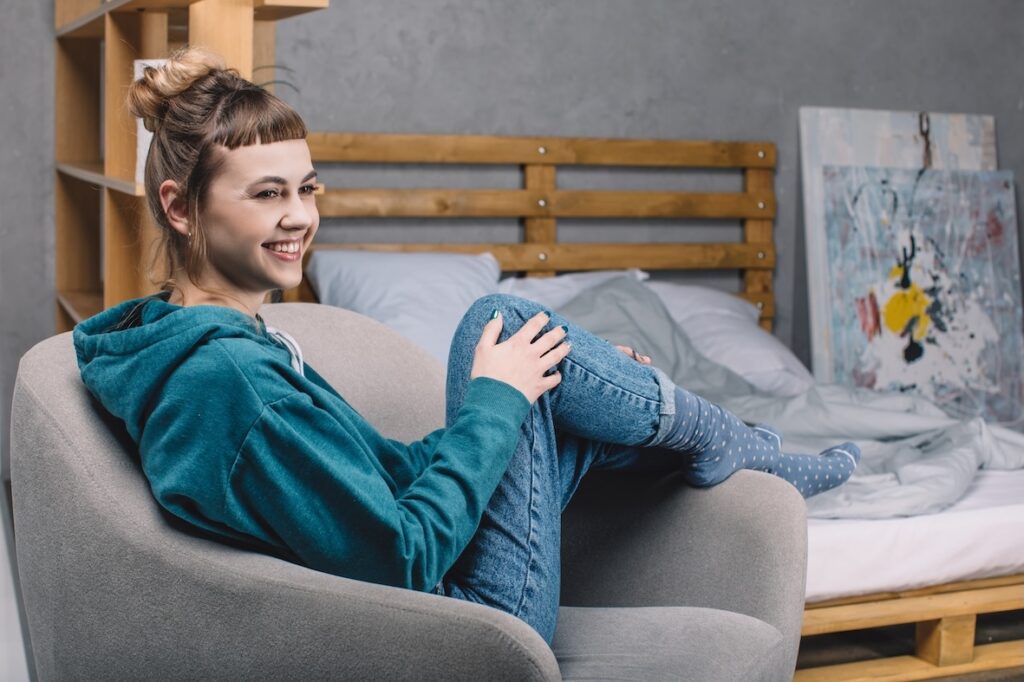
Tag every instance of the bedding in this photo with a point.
(981, 535)
(421, 295)
(721, 326)
(915, 459)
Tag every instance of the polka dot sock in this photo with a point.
(719, 443)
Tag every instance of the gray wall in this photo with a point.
(26, 188)
(729, 69)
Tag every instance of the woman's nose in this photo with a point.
(299, 213)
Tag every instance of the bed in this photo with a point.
(893, 570)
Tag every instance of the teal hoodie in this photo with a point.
(236, 442)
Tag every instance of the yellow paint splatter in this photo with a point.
(903, 306)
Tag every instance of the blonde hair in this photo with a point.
(193, 104)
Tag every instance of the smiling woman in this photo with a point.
(256, 226)
(229, 180)
(239, 437)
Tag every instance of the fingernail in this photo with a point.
(548, 313)
(494, 315)
(565, 329)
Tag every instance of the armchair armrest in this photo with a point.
(652, 540)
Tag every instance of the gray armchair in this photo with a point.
(661, 581)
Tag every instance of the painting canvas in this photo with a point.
(925, 286)
(862, 137)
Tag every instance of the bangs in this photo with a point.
(254, 116)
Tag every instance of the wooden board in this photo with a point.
(945, 619)
(540, 203)
(501, 150)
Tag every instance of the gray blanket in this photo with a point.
(916, 460)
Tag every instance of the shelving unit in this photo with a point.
(104, 235)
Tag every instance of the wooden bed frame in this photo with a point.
(945, 615)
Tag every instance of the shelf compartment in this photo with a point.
(80, 305)
(128, 248)
(84, 19)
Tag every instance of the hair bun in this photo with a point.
(148, 96)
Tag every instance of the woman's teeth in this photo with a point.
(284, 247)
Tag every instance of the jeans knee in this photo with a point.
(512, 308)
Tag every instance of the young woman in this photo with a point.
(239, 437)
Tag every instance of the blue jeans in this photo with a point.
(602, 414)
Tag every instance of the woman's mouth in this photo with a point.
(290, 250)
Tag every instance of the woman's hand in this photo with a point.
(642, 359)
(519, 361)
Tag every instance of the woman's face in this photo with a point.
(259, 216)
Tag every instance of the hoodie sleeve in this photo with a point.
(308, 478)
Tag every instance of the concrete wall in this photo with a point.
(26, 189)
(730, 69)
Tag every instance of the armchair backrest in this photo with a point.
(108, 582)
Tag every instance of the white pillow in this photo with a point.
(422, 296)
(554, 292)
(724, 329)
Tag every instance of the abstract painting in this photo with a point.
(925, 286)
(864, 137)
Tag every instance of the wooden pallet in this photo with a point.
(945, 616)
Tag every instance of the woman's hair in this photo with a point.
(193, 104)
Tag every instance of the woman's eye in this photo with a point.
(266, 194)
(308, 189)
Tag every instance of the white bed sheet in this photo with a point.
(980, 536)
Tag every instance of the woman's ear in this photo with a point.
(175, 206)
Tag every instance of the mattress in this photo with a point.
(980, 536)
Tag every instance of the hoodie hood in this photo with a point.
(125, 354)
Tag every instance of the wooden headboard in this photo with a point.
(540, 204)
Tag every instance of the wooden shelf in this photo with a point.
(105, 240)
(93, 173)
(80, 305)
(273, 10)
(89, 24)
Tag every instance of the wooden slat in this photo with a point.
(407, 203)
(958, 586)
(540, 230)
(93, 174)
(532, 257)
(226, 28)
(121, 48)
(906, 668)
(946, 641)
(758, 231)
(764, 301)
(489, 149)
(911, 610)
